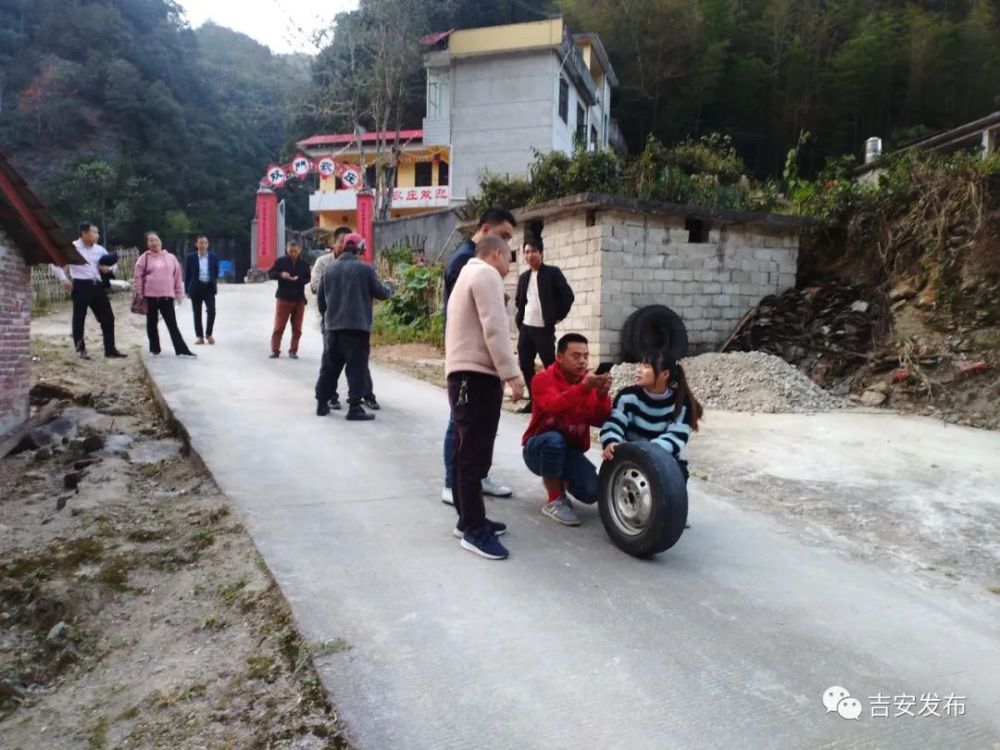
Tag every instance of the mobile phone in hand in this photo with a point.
(604, 368)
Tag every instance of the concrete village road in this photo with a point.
(728, 640)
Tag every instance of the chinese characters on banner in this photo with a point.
(365, 221)
(424, 197)
(267, 229)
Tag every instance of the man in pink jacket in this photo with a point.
(479, 359)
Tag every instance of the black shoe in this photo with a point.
(322, 409)
(526, 409)
(372, 404)
(274, 355)
(335, 404)
(115, 354)
(192, 355)
(293, 355)
(357, 414)
(82, 354)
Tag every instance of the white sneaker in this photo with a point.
(495, 489)
(447, 496)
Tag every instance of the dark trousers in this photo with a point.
(475, 400)
(326, 383)
(532, 342)
(203, 293)
(344, 350)
(164, 306)
(92, 295)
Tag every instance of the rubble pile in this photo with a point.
(745, 381)
(825, 330)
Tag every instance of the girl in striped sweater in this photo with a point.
(659, 408)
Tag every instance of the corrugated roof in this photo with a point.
(431, 39)
(25, 219)
(342, 139)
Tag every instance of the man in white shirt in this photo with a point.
(543, 299)
(87, 291)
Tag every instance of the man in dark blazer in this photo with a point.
(543, 299)
(201, 277)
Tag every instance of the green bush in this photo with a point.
(702, 172)
(413, 314)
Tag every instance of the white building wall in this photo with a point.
(501, 109)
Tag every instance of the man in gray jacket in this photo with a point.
(344, 296)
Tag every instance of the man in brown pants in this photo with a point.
(479, 358)
(292, 274)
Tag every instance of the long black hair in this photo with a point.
(660, 361)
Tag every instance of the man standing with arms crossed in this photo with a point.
(87, 290)
(499, 222)
(479, 359)
(201, 276)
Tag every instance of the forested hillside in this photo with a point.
(117, 110)
(761, 71)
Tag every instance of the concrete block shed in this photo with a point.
(710, 266)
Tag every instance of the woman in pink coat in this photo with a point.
(158, 280)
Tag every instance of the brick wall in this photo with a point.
(15, 322)
(627, 260)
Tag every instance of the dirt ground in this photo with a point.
(134, 608)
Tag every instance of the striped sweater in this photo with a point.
(638, 414)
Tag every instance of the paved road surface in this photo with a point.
(726, 641)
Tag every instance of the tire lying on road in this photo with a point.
(642, 497)
(653, 327)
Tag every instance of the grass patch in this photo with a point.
(204, 538)
(151, 470)
(115, 572)
(329, 647)
(62, 557)
(98, 737)
(261, 667)
(231, 592)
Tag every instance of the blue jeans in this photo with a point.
(547, 456)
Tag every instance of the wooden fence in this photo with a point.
(46, 289)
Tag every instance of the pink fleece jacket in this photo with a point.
(477, 336)
(158, 275)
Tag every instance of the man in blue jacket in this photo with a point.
(501, 222)
(201, 276)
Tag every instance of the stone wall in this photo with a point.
(436, 232)
(624, 261)
(15, 336)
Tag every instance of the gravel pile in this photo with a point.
(746, 381)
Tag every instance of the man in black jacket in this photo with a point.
(292, 273)
(201, 278)
(344, 295)
(543, 299)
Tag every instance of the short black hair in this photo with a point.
(339, 231)
(570, 338)
(497, 215)
(535, 242)
(86, 226)
(199, 236)
(293, 243)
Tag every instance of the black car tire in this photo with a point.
(653, 327)
(642, 498)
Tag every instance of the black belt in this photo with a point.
(86, 281)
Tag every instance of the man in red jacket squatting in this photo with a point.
(567, 401)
